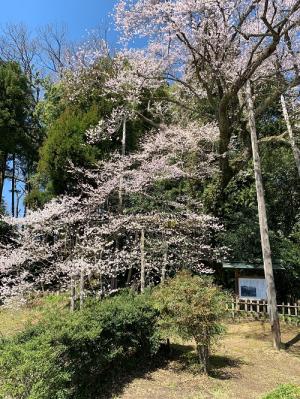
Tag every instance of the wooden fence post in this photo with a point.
(232, 309)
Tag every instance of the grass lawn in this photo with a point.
(244, 364)
(13, 321)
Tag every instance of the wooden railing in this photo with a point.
(258, 309)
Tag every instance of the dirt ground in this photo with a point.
(244, 366)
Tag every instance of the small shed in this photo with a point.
(249, 279)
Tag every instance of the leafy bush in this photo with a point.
(285, 391)
(193, 307)
(68, 355)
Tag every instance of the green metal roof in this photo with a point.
(249, 266)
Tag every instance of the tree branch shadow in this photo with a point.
(292, 341)
(118, 378)
(176, 358)
(222, 367)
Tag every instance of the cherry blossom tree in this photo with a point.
(211, 48)
(72, 238)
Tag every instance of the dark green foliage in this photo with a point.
(282, 187)
(69, 355)
(15, 103)
(282, 193)
(53, 104)
(37, 198)
(66, 124)
(65, 143)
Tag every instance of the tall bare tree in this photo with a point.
(263, 223)
(295, 149)
(18, 44)
(54, 46)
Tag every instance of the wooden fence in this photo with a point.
(258, 309)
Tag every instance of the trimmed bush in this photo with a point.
(192, 307)
(284, 391)
(69, 355)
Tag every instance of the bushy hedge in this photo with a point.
(284, 391)
(68, 355)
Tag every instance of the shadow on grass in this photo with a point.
(292, 341)
(187, 359)
(221, 367)
(293, 346)
(179, 358)
(119, 377)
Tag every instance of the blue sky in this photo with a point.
(79, 15)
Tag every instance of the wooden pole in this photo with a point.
(142, 246)
(295, 149)
(263, 224)
(73, 295)
(114, 280)
(124, 137)
(81, 288)
(164, 264)
(123, 152)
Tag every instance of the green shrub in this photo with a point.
(68, 355)
(193, 306)
(285, 391)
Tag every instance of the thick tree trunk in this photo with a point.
(263, 224)
(203, 356)
(3, 161)
(202, 345)
(295, 149)
(13, 185)
(225, 135)
(142, 246)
